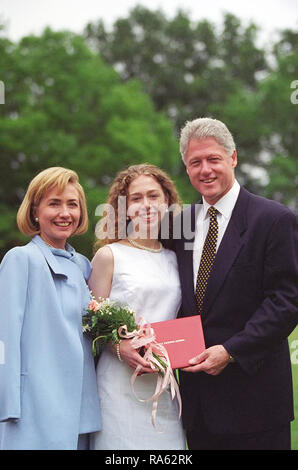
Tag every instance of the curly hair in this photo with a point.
(110, 228)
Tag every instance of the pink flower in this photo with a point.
(94, 306)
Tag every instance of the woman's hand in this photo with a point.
(132, 356)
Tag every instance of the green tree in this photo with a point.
(193, 69)
(279, 112)
(65, 107)
(185, 66)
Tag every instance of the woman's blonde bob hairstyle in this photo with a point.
(44, 181)
(120, 187)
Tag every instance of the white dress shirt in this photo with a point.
(225, 208)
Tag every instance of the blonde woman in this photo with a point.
(138, 271)
(48, 396)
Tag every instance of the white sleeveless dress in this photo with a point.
(149, 283)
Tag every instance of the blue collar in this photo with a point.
(49, 254)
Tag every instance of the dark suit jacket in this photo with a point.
(250, 307)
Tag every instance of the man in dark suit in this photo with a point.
(238, 269)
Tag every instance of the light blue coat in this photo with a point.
(48, 393)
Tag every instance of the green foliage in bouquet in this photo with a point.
(103, 320)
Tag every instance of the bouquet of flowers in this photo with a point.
(103, 320)
(107, 321)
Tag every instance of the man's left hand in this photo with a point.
(212, 361)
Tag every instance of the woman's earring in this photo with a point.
(36, 219)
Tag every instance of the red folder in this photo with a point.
(183, 339)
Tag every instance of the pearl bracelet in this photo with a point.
(118, 352)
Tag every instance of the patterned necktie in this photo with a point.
(207, 259)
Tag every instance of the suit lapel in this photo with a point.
(228, 250)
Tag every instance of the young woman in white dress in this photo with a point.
(137, 271)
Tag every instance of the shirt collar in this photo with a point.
(69, 251)
(226, 204)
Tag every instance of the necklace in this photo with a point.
(142, 247)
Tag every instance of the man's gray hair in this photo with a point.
(206, 127)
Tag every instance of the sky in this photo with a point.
(24, 17)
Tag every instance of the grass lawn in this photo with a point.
(293, 343)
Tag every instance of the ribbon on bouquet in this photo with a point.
(157, 355)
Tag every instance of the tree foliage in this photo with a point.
(183, 65)
(193, 69)
(279, 111)
(65, 107)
